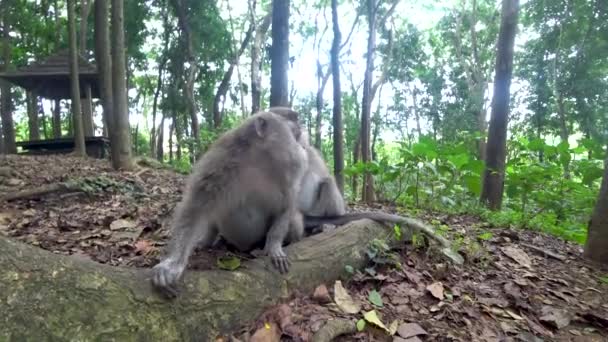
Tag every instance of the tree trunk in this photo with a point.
(322, 80)
(279, 54)
(493, 182)
(56, 121)
(596, 247)
(171, 131)
(120, 110)
(31, 102)
(160, 153)
(104, 67)
(256, 63)
(159, 83)
(87, 105)
(43, 118)
(190, 74)
(87, 112)
(368, 187)
(415, 108)
(8, 127)
(78, 129)
(222, 89)
(337, 119)
(100, 302)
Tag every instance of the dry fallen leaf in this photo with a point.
(555, 317)
(436, 289)
(344, 300)
(321, 295)
(407, 330)
(518, 255)
(144, 246)
(122, 224)
(268, 333)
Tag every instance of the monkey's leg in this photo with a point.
(190, 228)
(277, 234)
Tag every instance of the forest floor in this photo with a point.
(515, 285)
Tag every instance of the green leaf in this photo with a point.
(230, 263)
(360, 325)
(459, 160)
(397, 231)
(375, 298)
(372, 317)
(349, 269)
(473, 183)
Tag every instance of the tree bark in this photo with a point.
(31, 102)
(279, 54)
(337, 110)
(87, 112)
(78, 129)
(8, 127)
(159, 82)
(368, 187)
(160, 153)
(190, 74)
(104, 67)
(87, 105)
(322, 79)
(123, 159)
(493, 182)
(596, 247)
(256, 63)
(78, 299)
(56, 121)
(222, 89)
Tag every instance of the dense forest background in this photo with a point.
(416, 83)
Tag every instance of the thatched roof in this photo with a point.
(50, 77)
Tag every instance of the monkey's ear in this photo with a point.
(261, 126)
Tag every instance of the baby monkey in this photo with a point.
(243, 189)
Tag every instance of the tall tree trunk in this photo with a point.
(337, 120)
(256, 62)
(87, 105)
(493, 182)
(415, 108)
(79, 146)
(87, 112)
(160, 153)
(190, 74)
(43, 120)
(56, 121)
(322, 80)
(159, 81)
(279, 54)
(171, 131)
(8, 127)
(368, 187)
(222, 89)
(104, 67)
(120, 110)
(31, 102)
(596, 247)
(1, 138)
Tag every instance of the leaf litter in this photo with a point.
(501, 293)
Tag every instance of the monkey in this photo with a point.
(243, 188)
(319, 194)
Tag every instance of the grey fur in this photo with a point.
(243, 189)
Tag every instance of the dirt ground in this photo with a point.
(514, 286)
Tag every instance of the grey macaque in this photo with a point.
(319, 194)
(243, 189)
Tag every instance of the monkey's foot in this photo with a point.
(279, 259)
(165, 276)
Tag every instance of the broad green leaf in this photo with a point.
(372, 317)
(230, 263)
(473, 183)
(360, 325)
(375, 298)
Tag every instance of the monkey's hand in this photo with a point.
(165, 276)
(279, 258)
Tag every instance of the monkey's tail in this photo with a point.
(314, 221)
